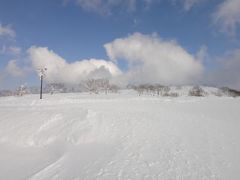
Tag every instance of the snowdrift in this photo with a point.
(119, 136)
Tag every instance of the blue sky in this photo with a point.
(78, 29)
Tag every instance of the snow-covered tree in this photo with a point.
(21, 90)
(196, 91)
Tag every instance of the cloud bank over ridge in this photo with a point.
(60, 71)
(153, 60)
(149, 59)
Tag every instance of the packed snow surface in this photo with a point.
(119, 136)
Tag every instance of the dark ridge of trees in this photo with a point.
(96, 86)
(230, 92)
(154, 90)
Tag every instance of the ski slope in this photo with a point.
(119, 136)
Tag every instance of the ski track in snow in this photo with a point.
(121, 136)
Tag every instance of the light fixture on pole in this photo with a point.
(42, 74)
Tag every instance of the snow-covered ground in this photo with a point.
(119, 136)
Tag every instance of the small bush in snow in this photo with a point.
(196, 91)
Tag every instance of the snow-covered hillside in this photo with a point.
(119, 136)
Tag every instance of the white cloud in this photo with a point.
(106, 7)
(202, 54)
(59, 70)
(227, 16)
(13, 50)
(188, 4)
(227, 70)
(7, 31)
(13, 69)
(153, 60)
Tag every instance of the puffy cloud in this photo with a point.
(59, 70)
(227, 71)
(227, 16)
(153, 60)
(13, 69)
(106, 7)
(7, 31)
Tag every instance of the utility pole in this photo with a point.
(41, 87)
(42, 74)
